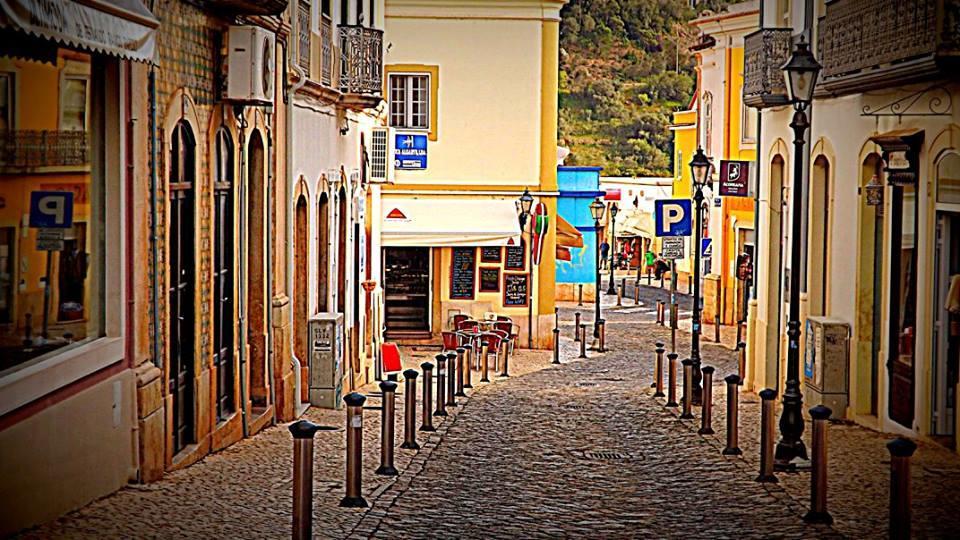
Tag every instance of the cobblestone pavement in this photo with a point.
(577, 450)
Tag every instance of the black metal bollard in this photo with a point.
(660, 312)
(505, 349)
(441, 385)
(452, 373)
(580, 295)
(818, 478)
(583, 340)
(427, 422)
(556, 345)
(620, 296)
(900, 490)
(461, 366)
(388, 404)
(576, 326)
(674, 319)
(410, 410)
(649, 278)
(658, 372)
(689, 284)
(303, 432)
(706, 412)
(484, 370)
(766, 435)
(741, 361)
(672, 380)
(623, 285)
(467, 368)
(354, 497)
(733, 413)
(687, 398)
(716, 327)
(636, 293)
(603, 336)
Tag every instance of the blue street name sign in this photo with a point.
(51, 209)
(672, 217)
(410, 152)
(706, 247)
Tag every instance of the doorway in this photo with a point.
(406, 281)
(223, 282)
(256, 283)
(869, 296)
(946, 328)
(323, 253)
(903, 304)
(300, 257)
(180, 294)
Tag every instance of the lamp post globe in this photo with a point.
(596, 211)
(801, 73)
(614, 210)
(701, 168)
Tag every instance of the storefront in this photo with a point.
(945, 360)
(443, 256)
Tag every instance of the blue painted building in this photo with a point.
(578, 187)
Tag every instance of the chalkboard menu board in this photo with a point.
(516, 257)
(515, 289)
(462, 273)
(490, 254)
(489, 279)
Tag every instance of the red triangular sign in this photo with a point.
(396, 214)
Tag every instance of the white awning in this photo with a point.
(124, 28)
(430, 221)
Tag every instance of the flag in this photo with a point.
(540, 226)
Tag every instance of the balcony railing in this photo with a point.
(867, 44)
(30, 149)
(765, 51)
(244, 7)
(326, 51)
(361, 61)
(303, 37)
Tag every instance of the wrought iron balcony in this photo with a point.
(361, 65)
(764, 52)
(244, 7)
(866, 44)
(31, 149)
(326, 51)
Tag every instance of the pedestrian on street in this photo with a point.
(604, 250)
(649, 258)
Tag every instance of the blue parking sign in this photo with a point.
(51, 209)
(672, 217)
(706, 247)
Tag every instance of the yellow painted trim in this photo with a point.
(434, 72)
(454, 187)
(549, 83)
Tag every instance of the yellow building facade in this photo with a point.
(482, 112)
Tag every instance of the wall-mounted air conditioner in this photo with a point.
(381, 155)
(249, 65)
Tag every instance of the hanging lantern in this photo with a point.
(874, 191)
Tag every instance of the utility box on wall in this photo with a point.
(326, 362)
(825, 364)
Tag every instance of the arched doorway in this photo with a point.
(869, 294)
(818, 250)
(342, 276)
(775, 271)
(223, 275)
(323, 253)
(181, 268)
(300, 257)
(256, 283)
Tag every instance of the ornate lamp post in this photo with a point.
(612, 289)
(801, 73)
(523, 208)
(700, 168)
(596, 210)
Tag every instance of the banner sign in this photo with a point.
(410, 152)
(734, 177)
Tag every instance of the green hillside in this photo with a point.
(625, 67)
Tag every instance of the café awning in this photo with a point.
(567, 235)
(449, 222)
(123, 28)
(635, 223)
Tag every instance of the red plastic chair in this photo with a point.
(450, 340)
(459, 318)
(492, 340)
(390, 358)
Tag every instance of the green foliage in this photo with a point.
(625, 67)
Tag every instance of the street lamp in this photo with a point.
(612, 289)
(596, 210)
(801, 73)
(523, 206)
(700, 170)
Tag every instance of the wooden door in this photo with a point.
(903, 298)
(223, 281)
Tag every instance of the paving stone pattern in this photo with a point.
(578, 450)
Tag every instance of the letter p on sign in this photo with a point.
(51, 209)
(672, 217)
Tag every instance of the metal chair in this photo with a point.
(450, 341)
(507, 328)
(492, 340)
(459, 318)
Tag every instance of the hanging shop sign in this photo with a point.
(734, 177)
(410, 152)
(901, 155)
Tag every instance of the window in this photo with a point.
(410, 101)
(223, 283)
(783, 13)
(948, 179)
(73, 103)
(303, 36)
(6, 101)
(749, 124)
(707, 120)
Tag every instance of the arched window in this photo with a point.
(323, 253)
(707, 120)
(223, 275)
(818, 250)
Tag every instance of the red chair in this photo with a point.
(390, 359)
(492, 340)
(459, 318)
(450, 341)
(507, 328)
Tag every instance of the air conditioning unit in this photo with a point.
(249, 65)
(381, 155)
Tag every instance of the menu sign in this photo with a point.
(489, 280)
(463, 273)
(490, 254)
(515, 290)
(516, 257)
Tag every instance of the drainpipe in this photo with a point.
(241, 267)
(154, 240)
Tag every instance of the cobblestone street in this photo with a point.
(576, 450)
